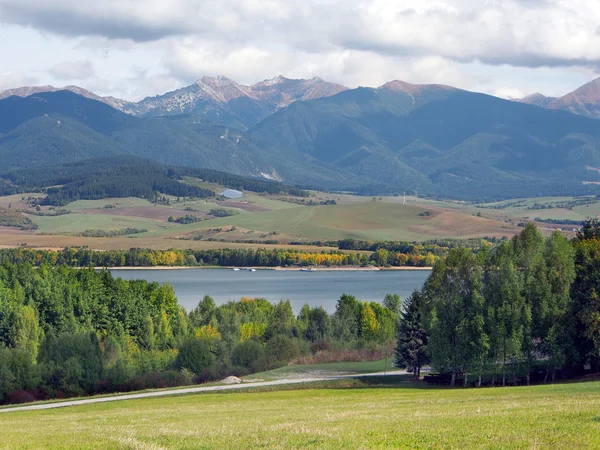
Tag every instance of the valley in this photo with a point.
(264, 220)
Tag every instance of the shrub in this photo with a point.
(281, 349)
(194, 355)
(246, 353)
(21, 397)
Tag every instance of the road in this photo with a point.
(189, 390)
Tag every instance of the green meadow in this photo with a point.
(338, 414)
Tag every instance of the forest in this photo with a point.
(67, 332)
(523, 311)
(127, 176)
(526, 310)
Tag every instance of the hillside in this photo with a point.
(128, 176)
(26, 91)
(584, 101)
(62, 127)
(441, 141)
(428, 139)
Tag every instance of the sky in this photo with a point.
(136, 48)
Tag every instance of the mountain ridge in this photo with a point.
(431, 139)
(583, 101)
(217, 99)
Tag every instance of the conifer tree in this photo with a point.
(411, 348)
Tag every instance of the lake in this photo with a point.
(319, 288)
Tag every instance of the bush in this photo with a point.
(246, 353)
(281, 349)
(154, 380)
(194, 355)
(21, 397)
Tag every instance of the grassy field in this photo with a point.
(263, 218)
(368, 220)
(325, 369)
(340, 414)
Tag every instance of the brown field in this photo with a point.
(461, 225)
(55, 242)
(243, 205)
(13, 231)
(146, 212)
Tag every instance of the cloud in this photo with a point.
(10, 80)
(472, 44)
(524, 33)
(73, 70)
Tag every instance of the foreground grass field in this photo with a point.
(385, 416)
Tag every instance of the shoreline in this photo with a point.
(281, 269)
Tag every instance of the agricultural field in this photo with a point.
(264, 219)
(354, 413)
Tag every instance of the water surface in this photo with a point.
(321, 288)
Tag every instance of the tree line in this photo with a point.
(67, 332)
(526, 308)
(135, 257)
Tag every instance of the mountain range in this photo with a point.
(216, 99)
(584, 101)
(432, 139)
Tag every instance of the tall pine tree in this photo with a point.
(411, 348)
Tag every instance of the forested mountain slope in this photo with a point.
(443, 141)
(61, 127)
(430, 139)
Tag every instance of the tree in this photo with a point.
(369, 325)
(393, 302)
(346, 319)
(557, 342)
(280, 350)
(246, 353)
(585, 308)
(281, 321)
(319, 325)
(458, 341)
(194, 355)
(504, 310)
(528, 248)
(412, 339)
(203, 313)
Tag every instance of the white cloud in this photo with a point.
(73, 70)
(465, 43)
(9, 80)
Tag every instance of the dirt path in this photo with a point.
(182, 391)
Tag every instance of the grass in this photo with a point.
(341, 414)
(82, 205)
(70, 223)
(368, 220)
(325, 369)
(354, 217)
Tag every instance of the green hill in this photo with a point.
(442, 141)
